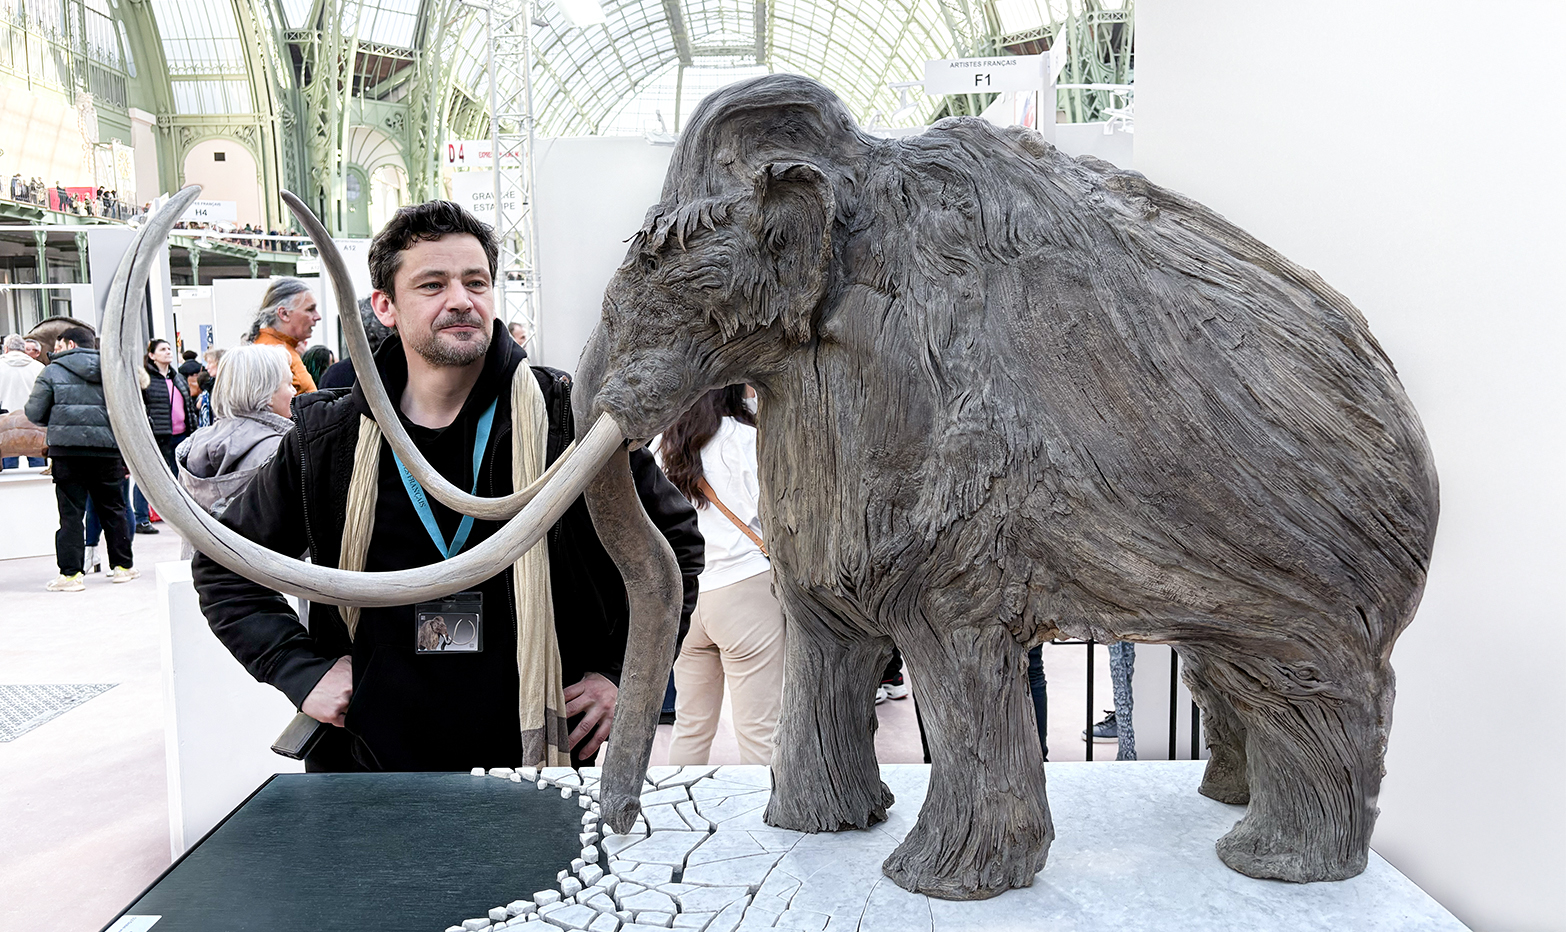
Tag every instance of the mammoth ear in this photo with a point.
(792, 224)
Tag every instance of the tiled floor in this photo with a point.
(83, 798)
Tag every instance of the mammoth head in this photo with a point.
(732, 266)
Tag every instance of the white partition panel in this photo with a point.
(1361, 141)
(592, 194)
(220, 723)
(31, 515)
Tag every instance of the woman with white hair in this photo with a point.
(250, 409)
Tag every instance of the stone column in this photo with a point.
(81, 256)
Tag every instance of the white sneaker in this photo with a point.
(895, 690)
(880, 694)
(64, 583)
(124, 574)
(90, 563)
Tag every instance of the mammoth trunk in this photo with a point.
(653, 589)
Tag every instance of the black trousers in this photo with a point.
(77, 479)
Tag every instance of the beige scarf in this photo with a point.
(540, 697)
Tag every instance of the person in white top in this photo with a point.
(18, 371)
(736, 632)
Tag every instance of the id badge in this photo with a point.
(453, 625)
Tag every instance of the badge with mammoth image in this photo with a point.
(454, 625)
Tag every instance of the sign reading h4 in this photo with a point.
(986, 75)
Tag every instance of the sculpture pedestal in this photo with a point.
(1134, 851)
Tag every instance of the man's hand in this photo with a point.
(592, 698)
(328, 701)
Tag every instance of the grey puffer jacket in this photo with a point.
(217, 462)
(67, 398)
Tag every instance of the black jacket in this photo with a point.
(156, 396)
(411, 712)
(67, 398)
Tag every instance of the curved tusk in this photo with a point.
(438, 487)
(317, 583)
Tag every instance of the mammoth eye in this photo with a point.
(649, 262)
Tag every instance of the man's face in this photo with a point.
(34, 349)
(297, 317)
(444, 307)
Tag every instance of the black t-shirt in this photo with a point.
(452, 710)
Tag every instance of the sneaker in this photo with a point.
(91, 564)
(1105, 730)
(124, 574)
(880, 694)
(66, 583)
(894, 690)
(146, 527)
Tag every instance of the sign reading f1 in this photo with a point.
(986, 75)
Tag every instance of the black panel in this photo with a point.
(416, 852)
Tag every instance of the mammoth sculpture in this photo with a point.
(1005, 395)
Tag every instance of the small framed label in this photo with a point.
(133, 924)
(454, 625)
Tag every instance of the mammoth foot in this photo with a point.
(1225, 779)
(949, 865)
(1255, 851)
(827, 809)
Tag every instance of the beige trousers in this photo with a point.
(736, 633)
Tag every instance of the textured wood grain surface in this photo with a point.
(1008, 394)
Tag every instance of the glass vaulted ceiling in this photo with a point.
(648, 65)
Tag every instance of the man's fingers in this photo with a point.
(600, 735)
(574, 690)
(585, 727)
(576, 705)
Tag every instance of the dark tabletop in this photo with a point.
(389, 852)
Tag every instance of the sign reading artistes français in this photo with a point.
(986, 75)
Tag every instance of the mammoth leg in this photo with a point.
(985, 826)
(1226, 777)
(1315, 721)
(825, 777)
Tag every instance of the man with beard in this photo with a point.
(335, 489)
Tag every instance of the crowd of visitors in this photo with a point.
(97, 202)
(251, 235)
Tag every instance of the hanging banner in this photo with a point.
(986, 75)
(475, 153)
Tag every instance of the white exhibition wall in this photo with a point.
(1362, 141)
(592, 193)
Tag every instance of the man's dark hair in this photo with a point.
(81, 336)
(189, 354)
(421, 223)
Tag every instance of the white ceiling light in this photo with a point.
(582, 13)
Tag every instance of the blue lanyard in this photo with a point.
(422, 505)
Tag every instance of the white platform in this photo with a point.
(220, 723)
(1134, 851)
(31, 516)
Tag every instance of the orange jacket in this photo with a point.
(302, 381)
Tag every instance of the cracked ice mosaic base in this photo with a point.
(1133, 851)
